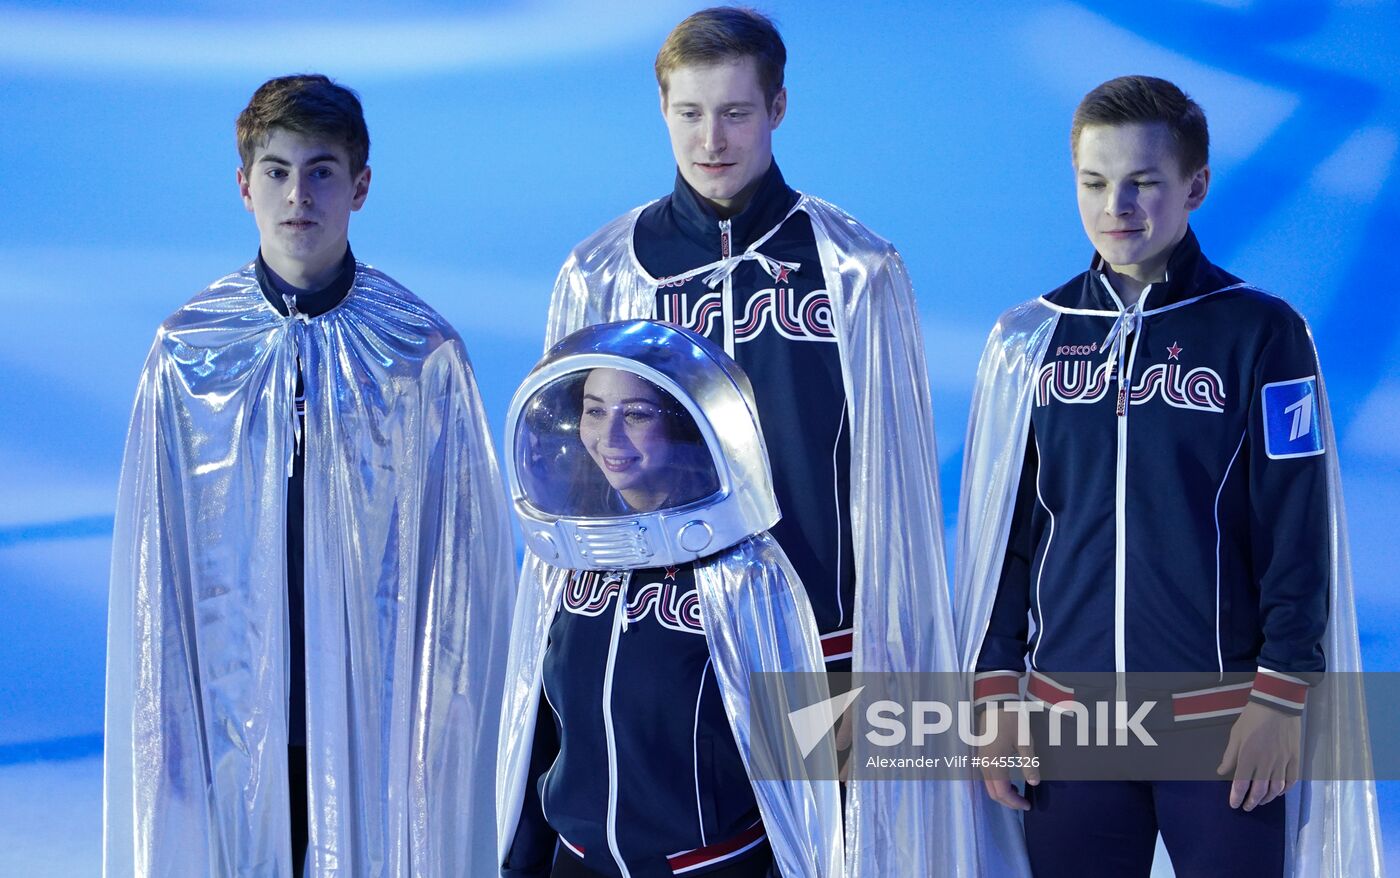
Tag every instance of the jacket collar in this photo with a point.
(312, 303)
(1189, 274)
(771, 202)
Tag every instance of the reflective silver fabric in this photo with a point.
(1334, 826)
(408, 588)
(992, 457)
(903, 620)
(536, 603)
(757, 618)
(1333, 829)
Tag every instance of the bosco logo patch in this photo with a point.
(1292, 425)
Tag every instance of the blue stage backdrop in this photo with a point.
(507, 130)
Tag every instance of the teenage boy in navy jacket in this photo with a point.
(1172, 512)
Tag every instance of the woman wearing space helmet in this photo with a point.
(644, 444)
(650, 593)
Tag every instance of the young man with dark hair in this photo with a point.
(310, 576)
(819, 311)
(1166, 502)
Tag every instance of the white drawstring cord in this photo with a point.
(725, 267)
(1124, 326)
(304, 320)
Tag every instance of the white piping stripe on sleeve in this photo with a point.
(836, 502)
(695, 751)
(1219, 655)
(547, 700)
(1039, 611)
(544, 779)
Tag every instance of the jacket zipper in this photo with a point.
(1120, 549)
(1127, 358)
(727, 296)
(619, 625)
(297, 329)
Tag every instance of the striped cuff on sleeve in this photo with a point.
(1280, 691)
(989, 686)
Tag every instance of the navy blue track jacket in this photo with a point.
(678, 788)
(1175, 520)
(632, 730)
(778, 328)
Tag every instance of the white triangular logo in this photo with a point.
(812, 723)
(1302, 412)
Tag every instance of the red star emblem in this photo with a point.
(782, 277)
(1173, 351)
(671, 573)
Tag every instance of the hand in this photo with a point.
(844, 732)
(995, 777)
(1263, 754)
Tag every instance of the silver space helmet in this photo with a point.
(637, 444)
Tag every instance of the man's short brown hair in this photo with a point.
(307, 104)
(726, 33)
(1130, 99)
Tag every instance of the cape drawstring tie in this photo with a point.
(721, 269)
(1117, 339)
(304, 320)
(725, 267)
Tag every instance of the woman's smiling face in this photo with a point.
(624, 427)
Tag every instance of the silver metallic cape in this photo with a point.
(408, 588)
(902, 615)
(756, 621)
(1333, 830)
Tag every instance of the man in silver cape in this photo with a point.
(1138, 223)
(1333, 829)
(408, 586)
(756, 616)
(902, 613)
(407, 567)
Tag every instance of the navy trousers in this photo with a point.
(1082, 829)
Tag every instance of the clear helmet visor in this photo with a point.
(606, 442)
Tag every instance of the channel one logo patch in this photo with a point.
(1292, 420)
